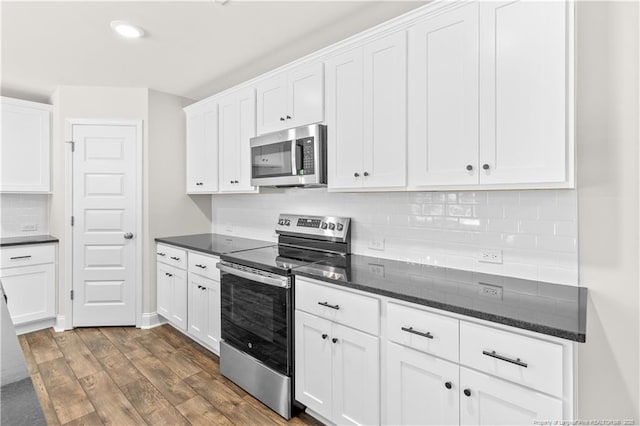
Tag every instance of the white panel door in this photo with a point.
(30, 292)
(214, 321)
(272, 104)
(305, 95)
(385, 112)
(421, 389)
(104, 207)
(356, 377)
(198, 306)
(487, 400)
(523, 92)
(202, 149)
(313, 354)
(443, 99)
(25, 145)
(345, 103)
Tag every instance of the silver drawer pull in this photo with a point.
(175, 258)
(161, 254)
(20, 257)
(516, 361)
(336, 307)
(201, 266)
(428, 335)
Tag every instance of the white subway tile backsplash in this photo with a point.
(536, 230)
(17, 210)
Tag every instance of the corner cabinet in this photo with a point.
(237, 125)
(490, 96)
(202, 148)
(25, 148)
(366, 115)
(291, 99)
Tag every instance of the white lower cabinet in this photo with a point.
(172, 294)
(488, 400)
(421, 389)
(204, 310)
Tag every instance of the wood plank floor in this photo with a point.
(127, 376)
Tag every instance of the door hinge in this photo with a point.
(71, 294)
(73, 220)
(73, 146)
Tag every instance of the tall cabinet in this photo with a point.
(366, 115)
(25, 148)
(202, 148)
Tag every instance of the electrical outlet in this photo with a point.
(29, 227)
(490, 256)
(488, 290)
(376, 243)
(376, 269)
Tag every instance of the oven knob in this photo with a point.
(340, 227)
(324, 225)
(287, 222)
(250, 345)
(332, 226)
(281, 222)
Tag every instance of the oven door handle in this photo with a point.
(282, 282)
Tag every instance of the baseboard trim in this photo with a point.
(151, 320)
(60, 324)
(317, 416)
(35, 326)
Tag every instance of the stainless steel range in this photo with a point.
(257, 289)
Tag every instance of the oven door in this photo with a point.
(256, 314)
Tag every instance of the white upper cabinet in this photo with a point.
(291, 99)
(366, 115)
(237, 125)
(202, 148)
(26, 140)
(524, 92)
(443, 99)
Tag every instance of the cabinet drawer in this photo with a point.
(204, 265)
(521, 359)
(353, 310)
(27, 255)
(424, 331)
(171, 256)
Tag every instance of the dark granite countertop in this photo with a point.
(552, 309)
(215, 244)
(34, 239)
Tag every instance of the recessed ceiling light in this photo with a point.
(127, 30)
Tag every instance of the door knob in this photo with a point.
(128, 236)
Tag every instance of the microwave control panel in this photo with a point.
(306, 157)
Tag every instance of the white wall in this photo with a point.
(536, 230)
(607, 153)
(19, 209)
(100, 103)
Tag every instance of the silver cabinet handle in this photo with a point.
(428, 335)
(336, 307)
(175, 258)
(20, 257)
(128, 236)
(161, 254)
(201, 266)
(516, 361)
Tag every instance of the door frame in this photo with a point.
(65, 322)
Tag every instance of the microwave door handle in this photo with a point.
(294, 158)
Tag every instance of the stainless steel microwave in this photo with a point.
(293, 157)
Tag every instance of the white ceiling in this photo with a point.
(192, 48)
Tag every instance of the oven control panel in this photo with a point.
(326, 227)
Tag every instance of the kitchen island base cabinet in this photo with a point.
(337, 371)
(172, 294)
(421, 389)
(488, 400)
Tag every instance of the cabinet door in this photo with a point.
(202, 149)
(313, 385)
(443, 99)
(228, 140)
(523, 92)
(272, 104)
(344, 97)
(30, 292)
(246, 131)
(356, 377)
(24, 154)
(179, 298)
(385, 95)
(305, 93)
(213, 332)
(421, 389)
(493, 401)
(163, 289)
(198, 306)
